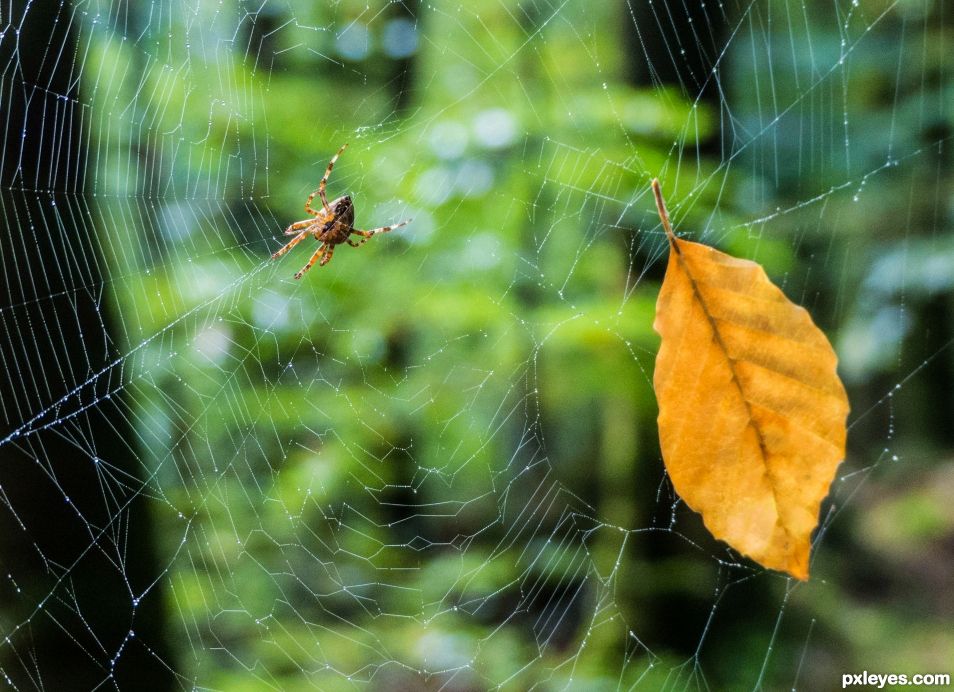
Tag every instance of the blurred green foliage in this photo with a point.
(432, 463)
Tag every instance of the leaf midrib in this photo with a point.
(674, 244)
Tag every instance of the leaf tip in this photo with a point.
(798, 570)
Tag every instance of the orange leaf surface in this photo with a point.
(751, 411)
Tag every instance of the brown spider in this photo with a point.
(332, 226)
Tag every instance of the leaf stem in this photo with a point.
(661, 208)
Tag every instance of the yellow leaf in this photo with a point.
(751, 411)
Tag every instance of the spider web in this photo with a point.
(432, 463)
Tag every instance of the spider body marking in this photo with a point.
(340, 226)
(331, 225)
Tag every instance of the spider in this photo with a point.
(332, 225)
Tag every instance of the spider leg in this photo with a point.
(384, 229)
(324, 182)
(294, 241)
(293, 229)
(327, 257)
(314, 258)
(353, 244)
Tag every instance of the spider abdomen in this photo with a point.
(338, 228)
